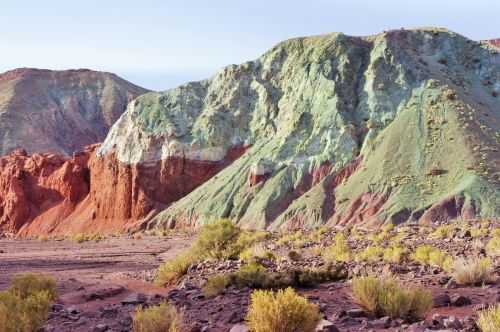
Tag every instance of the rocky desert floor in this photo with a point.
(102, 283)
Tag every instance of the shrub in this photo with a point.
(252, 275)
(80, 237)
(493, 246)
(161, 318)
(282, 311)
(171, 271)
(216, 285)
(256, 253)
(473, 271)
(370, 254)
(29, 284)
(292, 239)
(443, 232)
(339, 251)
(427, 254)
(24, 307)
(386, 297)
(395, 254)
(478, 232)
(217, 240)
(489, 319)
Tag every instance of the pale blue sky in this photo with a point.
(159, 44)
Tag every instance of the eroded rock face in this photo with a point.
(59, 111)
(43, 186)
(494, 42)
(51, 194)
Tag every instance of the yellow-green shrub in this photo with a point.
(171, 271)
(489, 319)
(283, 311)
(24, 307)
(370, 254)
(395, 254)
(161, 318)
(442, 232)
(473, 271)
(339, 251)
(386, 297)
(493, 246)
(430, 255)
(216, 285)
(28, 284)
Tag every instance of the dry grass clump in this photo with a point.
(473, 271)
(395, 254)
(294, 256)
(256, 253)
(171, 271)
(386, 297)
(216, 284)
(220, 240)
(161, 318)
(489, 319)
(282, 311)
(82, 237)
(24, 307)
(339, 251)
(443, 232)
(296, 240)
(370, 254)
(493, 246)
(430, 255)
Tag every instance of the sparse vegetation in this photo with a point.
(395, 254)
(282, 311)
(493, 246)
(294, 255)
(473, 271)
(161, 318)
(489, 319)
(24, 307)
(216, 285)
(370, 254)
(430, 255)
(443, 232)
(170, 272)
(339, 251)
(386, 297)
(220, 240)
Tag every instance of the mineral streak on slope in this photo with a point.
(59, 111)
(420, 107)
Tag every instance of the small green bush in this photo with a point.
(171, 271)
(161, 318)
(339, 251)
(429, 255)
(395, 254)
(489, 319)
(24, 307)
(216, 284)
(283, 311)
(370, 254)
(386, 297)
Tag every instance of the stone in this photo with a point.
(458, 300)
(356, 313)
(452, 322)
(326, 326)
(239, 328)
(101, 328)
(441, 300)
(134, 298)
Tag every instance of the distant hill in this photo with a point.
(59, 111)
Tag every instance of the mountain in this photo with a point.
(494, 42)
(59, 111)
(333, 129)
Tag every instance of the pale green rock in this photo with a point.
(331, 99)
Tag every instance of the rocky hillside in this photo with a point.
(332, 129)
(59, 111)
(494, 42)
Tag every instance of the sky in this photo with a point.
(160, 44)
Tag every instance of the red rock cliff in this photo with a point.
(50, 194)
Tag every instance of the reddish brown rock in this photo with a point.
(449, 209)
(363, 209)
(50, 194)
(494, 42)
(40, 185)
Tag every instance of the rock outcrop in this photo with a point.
(494, 42)
(59, 111)
(333, 129)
